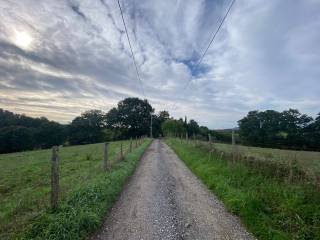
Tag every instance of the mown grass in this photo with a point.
(269, 207)
(86, 190)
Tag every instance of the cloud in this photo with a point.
(266, 56)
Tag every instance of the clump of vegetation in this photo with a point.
(270, 207)
(86, 190)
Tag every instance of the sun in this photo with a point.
(23, 39)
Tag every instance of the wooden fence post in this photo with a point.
(55, 188)
(187, 137)
(291, 166)
(121, 151)
(130, 144)
(209, 137)
(105, 156)
(233, 146)
(136, 142)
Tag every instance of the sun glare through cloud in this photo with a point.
(23, 39)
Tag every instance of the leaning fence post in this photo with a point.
(130, 144)
(105, 156)
(55, 177)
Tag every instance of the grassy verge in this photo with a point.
(269, 207)
(87, 191)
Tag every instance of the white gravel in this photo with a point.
(164, 200)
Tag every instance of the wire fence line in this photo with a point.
(288, 170)
(110, 156)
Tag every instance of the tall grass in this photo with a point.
(308, 161)
(25, 189)
(270, 207)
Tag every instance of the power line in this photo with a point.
(211, 41)
(132, 55)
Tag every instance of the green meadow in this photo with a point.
(25, 189)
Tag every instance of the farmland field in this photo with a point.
(307, 160)
(25, 180)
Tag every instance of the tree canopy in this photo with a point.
(87, 128)
(19, 132)
(132, 117)
(289, 129)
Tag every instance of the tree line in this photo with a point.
(19, 132)
(287, 129)
(129, 119)
(132, 117)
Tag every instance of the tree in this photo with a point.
(250, 128)
(312, 134)
(204, 132)
(192, 127)
(173, 128)
(157, 120)
(16, 138)
(132, 116)
(88, 128)
(34, 132)
(49, 134)
(289, 129)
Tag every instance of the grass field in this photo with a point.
(269, 207)
(25, 181)
(307, 160)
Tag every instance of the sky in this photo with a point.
(60, 58)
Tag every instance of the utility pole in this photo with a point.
(150, 125)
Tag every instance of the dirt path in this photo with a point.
(164, 200)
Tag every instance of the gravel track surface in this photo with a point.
(164, 200)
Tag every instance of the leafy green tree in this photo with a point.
(87, 128)
(157, 120)
(49, 134)
(289, 129)
(132, 117)
(204, 132)
(311, 134)
(293, 123)
(250, 128)
(16, 138)
(193, 128)
(173, 128)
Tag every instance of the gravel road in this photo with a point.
(164, 200)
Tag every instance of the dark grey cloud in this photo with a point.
(75, 8)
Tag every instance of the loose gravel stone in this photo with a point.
(164, 200)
